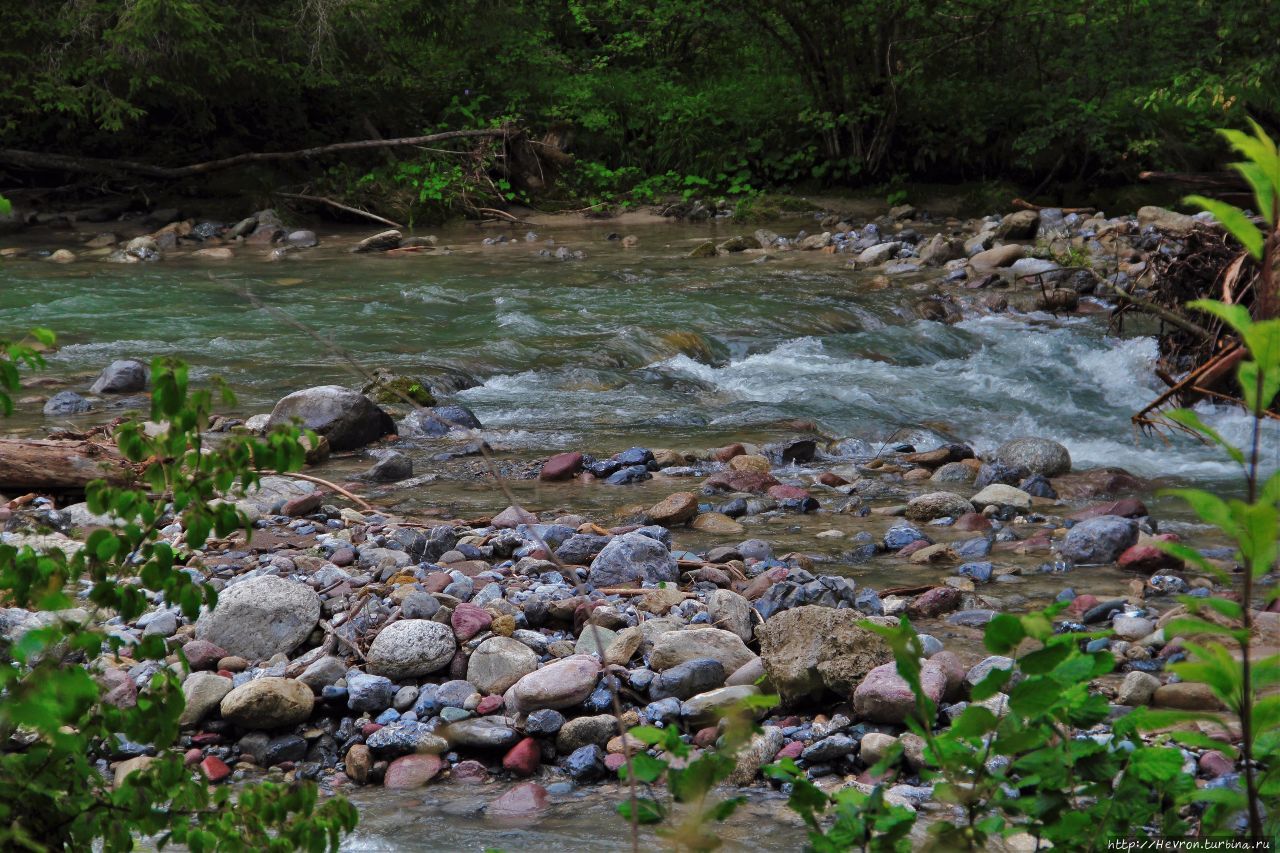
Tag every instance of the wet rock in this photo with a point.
(633, 557)
(937, 505)
(261, 617)
(563, 466)
(391, 466)
(412, 771)
(992, 259)
(828, 749)
(521, 802)
(884, 697)
(934, 603)
(125, 376)
(524, 758)
(557, 685)
(404, 737)
(586, 764)
(811, 649)
(411, 648)
(1099, 540)
(380, 242)
(268, 703)
(481, 733)
(676, 647)
(1034, 455)
(583, 731)
(716, 523)
(348, 420)
(673, 510)
(900, 536)
(1000, 496)
(66, 403)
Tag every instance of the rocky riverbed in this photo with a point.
(406, 647)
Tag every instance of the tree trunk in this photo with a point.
(37, 465)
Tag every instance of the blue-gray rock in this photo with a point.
(66, 403)
(998, 472)
(389, 466)
(546, 721)
(1036, 455)
(688, 679)
(971, 618)
(419, 605)
(628, 475)
(901, 535)
(663, 710)
(453, 694)
(121, 377)
(634, 456)
(480, 733)
(829, 749)
(969, 548)
(426, 704)
(586, 764)
(631, 557)
(1038, 487)
(1099, 540)
(403, 738)
(980, 572)
(348, 419)
(369, 692)
(868, 602)
(580, 548)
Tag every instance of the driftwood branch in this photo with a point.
(356, 499)
(59, 466)
(95, 165)
(319, 199)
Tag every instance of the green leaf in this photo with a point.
(1155, 764)
(1003, 634)
(647, 811)
(644, 767)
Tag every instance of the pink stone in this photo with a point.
(202, 654)
(437, 581)
(912, 547)
(1081, 603)
(369, 728)
(489, 705)
(513, 517)
(468, 620)
(215, 769)
(412, 771)
(523, 758)
(791, 750)
(469, 772)
(206, 739)
(784, 492)
(704, 738)
(303, 504)
(972, 522)
(562, 466)
(121, 691)
(1147, 558)
(192, 756)
(1214, 764)
(1126, 508)
(935, 602)
(884, 697)
(741, 481)
(524, 800)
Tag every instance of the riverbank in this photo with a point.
(755, 518)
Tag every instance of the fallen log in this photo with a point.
(38, 465)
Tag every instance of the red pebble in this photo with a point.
(614, 760)
(705, 738)
(369, 728)
(523, 758)
(215, 769)
(791, 750)
(192, 756)
(488, 705)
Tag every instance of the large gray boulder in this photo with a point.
(808, 650)
(634, 557)
(346, 418)
(1036, 455)
(261, 617)
(411, 648)
(121, 377)
(1099, 540)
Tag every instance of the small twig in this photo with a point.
(329, 629)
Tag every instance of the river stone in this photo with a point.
(203, 691)
(562, 466)
(1137, 689)
(582, 731)
(676, 647)
(633, 557)
(884, 697)
(759, 751)
(411, 648)
(121, 377)
(716, 523)
(412, 771)
(561, 684)
(688, 679)
(1019, 225)
(707, 708)
(402, 738)
(268, 703)
(1001, 256)
(1164, 219)
(369, 692)
(808, 649)
(323, 672)
(498, 663)
(348, 419)
(1001, 495)
(520, 803)
(1034, 455)
(674, 509)
(937, 505)
(261, 617)
(731, 612)
(380, 242)
(1099, 540)
(481, 733)
(66, 403)
(1186, 696)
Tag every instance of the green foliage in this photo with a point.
(858, 821)
(57, 733)
(14, 354)
(687, 813)
(6, 207)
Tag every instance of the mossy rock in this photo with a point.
(394, 387)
